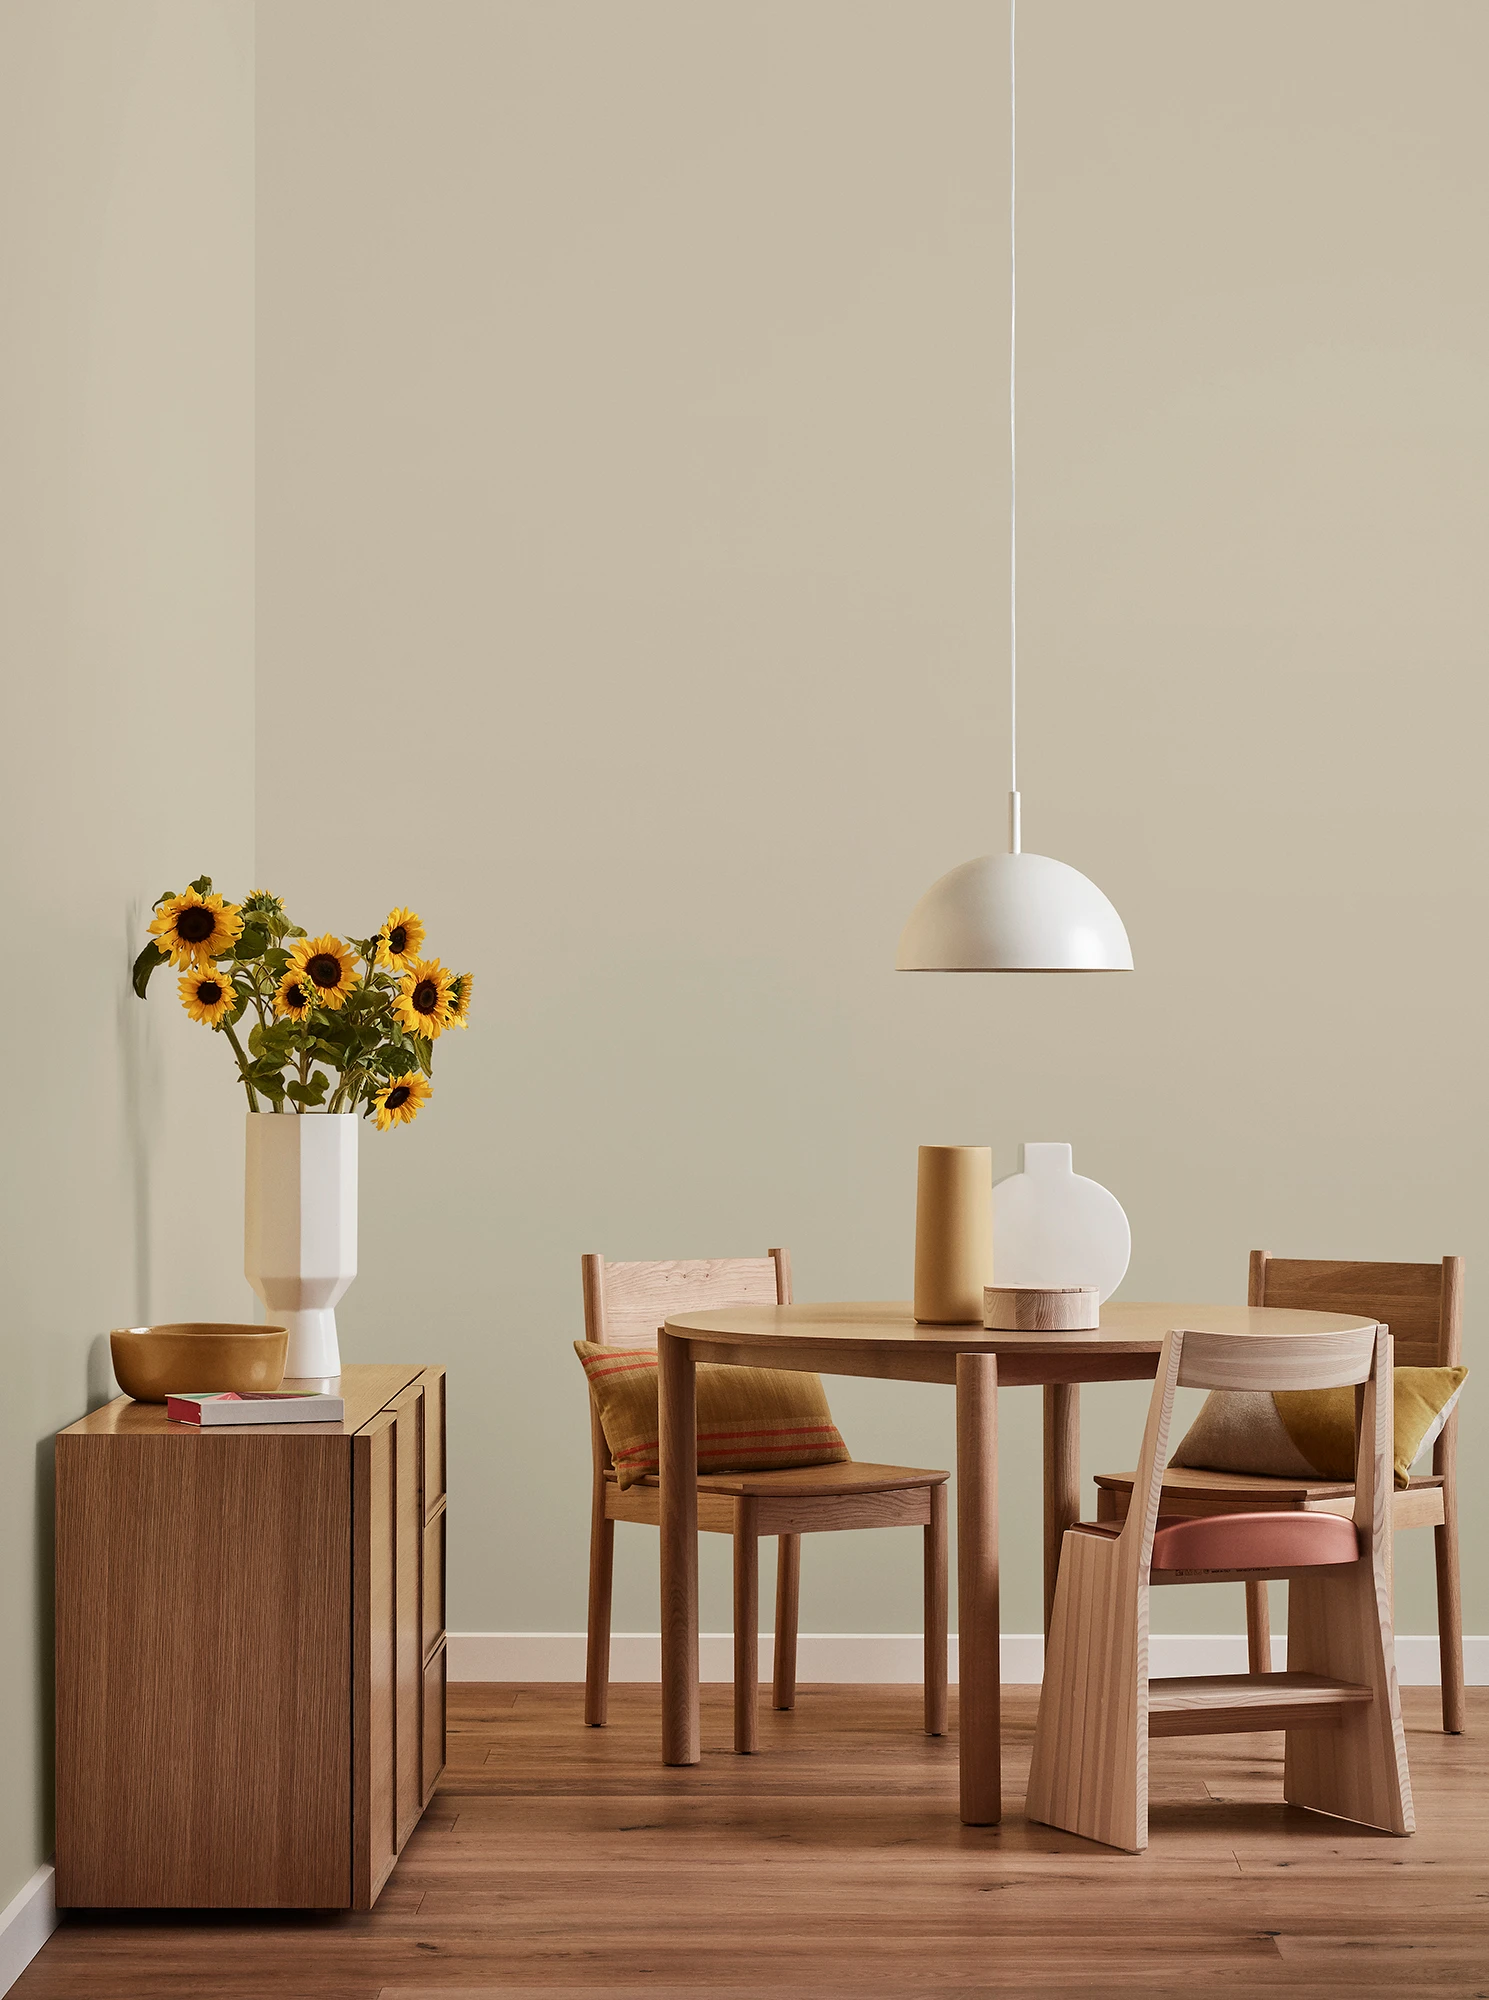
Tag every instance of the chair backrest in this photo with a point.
(1201, 1360)
(1422, 1304)
(624, 1304)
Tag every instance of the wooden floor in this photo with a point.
(565, 1862)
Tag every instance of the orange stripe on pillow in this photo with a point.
(780, 1430)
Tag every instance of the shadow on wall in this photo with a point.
(140, 1090)
(46, 1490)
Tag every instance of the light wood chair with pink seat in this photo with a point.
(1338, 1700)
(624, 1306)
(1422, 1305)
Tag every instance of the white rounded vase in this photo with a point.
(1053, 1228)
(300, 1227)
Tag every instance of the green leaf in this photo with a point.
(425, 1052)
(203, 885)
(276, 959)
(252, 943)
(145, 964)
(165, 896)
(256, 1041)
(397, 1062)
(313, 1092)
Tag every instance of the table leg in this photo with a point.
(980, 1693)
(678, 1470)
(1062, 1478)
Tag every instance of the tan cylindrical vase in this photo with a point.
(953, 1234)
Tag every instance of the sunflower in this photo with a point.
(294, 998)
(423, 1003)
(207, 995)
(397, 1103)
(326, 965)
(193, 930)
(460, 1000)
(400, 939)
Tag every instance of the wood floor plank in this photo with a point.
(560, 1863)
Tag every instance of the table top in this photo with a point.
(364, 1388)
(1127, 1326)
(1128, 1339)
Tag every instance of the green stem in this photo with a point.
(253, 1103)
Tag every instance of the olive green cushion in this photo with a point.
(1310, 1433)
(749, 1419)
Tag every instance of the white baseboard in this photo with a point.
(26, 1922)
(885, 1656)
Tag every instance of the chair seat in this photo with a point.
(1186, 1489)
(1243, 1541)
(1255, 1541)
(823, 1480)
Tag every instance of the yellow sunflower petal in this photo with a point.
(422, 1006)
(207, 995)
(397, 1103)
(460, 994)
(193, 930)
(294, 998)
(328, 966)
(400, 940)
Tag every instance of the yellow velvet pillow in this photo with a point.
(1310, 1433)
(749, 1419)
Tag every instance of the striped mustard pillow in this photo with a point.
(749, 1419)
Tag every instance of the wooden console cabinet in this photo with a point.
(250, 1650)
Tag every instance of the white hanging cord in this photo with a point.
(1013, 485)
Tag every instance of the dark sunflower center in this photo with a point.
(209, 993)
(399, 1094)
(398, 940)
(295, 996)
(195, 925)
(324, 970)
(426, 997)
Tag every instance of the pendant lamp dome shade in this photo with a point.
(1013, 913)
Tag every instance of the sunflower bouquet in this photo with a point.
(337, 1022)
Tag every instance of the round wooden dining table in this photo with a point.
(885, 1341)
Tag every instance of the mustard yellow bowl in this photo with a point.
(153, 1362)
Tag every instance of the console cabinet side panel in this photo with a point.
(203, 1641)
(374, 1657)
(408, 1530)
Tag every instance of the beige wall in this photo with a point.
(126, 636)
(632, 602)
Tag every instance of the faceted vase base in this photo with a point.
(313, 1347)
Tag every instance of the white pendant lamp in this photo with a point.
(1013, 912)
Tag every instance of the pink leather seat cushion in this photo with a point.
(1255, 1541)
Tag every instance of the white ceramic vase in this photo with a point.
(1052, 1227)
(300, 1227)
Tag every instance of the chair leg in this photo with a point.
(1338, 1624)
(1089, 1772)
(1450, 1614)
(788, 1595)
(1258, 1629)
(746, 1625)
(597, 1643)
(935, 1614)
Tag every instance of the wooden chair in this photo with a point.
(624, 1305)
(1338, 1701)
(1422, 1305)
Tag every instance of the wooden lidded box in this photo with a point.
(250, 1650)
